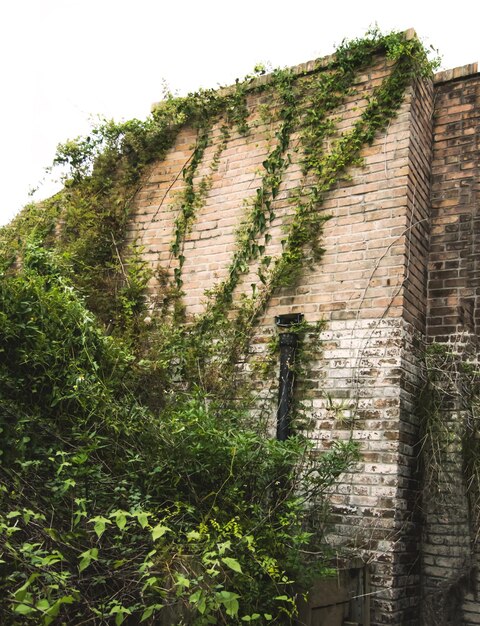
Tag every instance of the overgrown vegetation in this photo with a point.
(137, 483)
(451, 442)
(450, 464)
(110, 509)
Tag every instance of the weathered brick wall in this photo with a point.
(414, 317)
(370, 287)
(454, 279)
(453, 320)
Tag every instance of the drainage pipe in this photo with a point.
(288, 349)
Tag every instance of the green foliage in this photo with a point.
(111, 511)
(87, 221)
(137, 480)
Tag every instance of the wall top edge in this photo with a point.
(456, 73)
(303, 69)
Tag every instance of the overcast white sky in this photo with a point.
(64, 61)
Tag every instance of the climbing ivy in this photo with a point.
(323, 169)
(192, 200)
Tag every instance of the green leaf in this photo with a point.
(23, 609)
(198, 599)
(142, 518)
(195, 596)
(193, 535)
(54, 610)
(86, 558)
(202, 605)
(149, 611)
(232, 564)
(120, 518)
(223, 547)
(121, 612)
(229, 599)
(182, 581)
(100, 524)
(21, 592)
(159, 531)
(43, 605)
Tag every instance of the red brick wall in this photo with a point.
(453, 320)
(454, 265)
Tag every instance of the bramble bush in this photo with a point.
(111, 512)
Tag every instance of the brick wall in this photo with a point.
(454, 281)
(370, 287)
(449, 540)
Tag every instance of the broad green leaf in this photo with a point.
(159, 531)
(198, 598)
(55, 607)
(232, 564)
(202, 605)
(193, 535)
(100, 524)
(150, 582)
(21, 592)
(43, 605)
(120, 613)
(120, 518)
(149, 611)
(223, 547)
(182, 581)
(142, 518)
(23, 609)
(229, 599)
(121, 521)
(51, 559)
(195, 596)
(87, 557)
(53, 611)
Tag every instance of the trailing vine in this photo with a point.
(324, 168)
(190, 200)
(261, 213)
